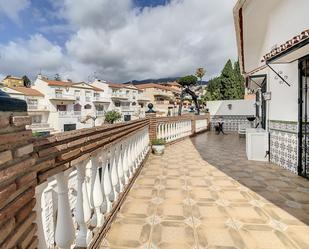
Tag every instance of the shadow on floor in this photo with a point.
(279, 186)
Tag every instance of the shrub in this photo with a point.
(112, 116)
(159, 141)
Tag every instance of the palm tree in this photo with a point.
(200, 73)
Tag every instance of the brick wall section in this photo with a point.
(17, 182)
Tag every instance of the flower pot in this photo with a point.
(158, 149)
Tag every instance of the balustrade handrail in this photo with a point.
(124, 147)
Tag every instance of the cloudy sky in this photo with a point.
(116, 40)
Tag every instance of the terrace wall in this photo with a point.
(27, 163)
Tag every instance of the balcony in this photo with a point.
(69, 114)
(63, 97)
(120, 96)
(202, 193)
(100, 113)
(37, 108)
(37, 127)
(99, 99)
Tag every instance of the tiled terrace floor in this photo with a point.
(203, 193)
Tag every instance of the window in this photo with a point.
(134, 103)
(77, 108)
(69, 127)
(77, 94)
(58, 93)
(117, 103)
(88, 96)
(37, 119)
(99, 107)
(61, 108)
(32, 101)
(87, 106)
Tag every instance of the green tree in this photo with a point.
(112, 116)
(189, 80)
(27, 82)
(228, 89)
(214, 89)
(239, 81)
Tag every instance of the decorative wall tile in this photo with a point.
(231, 122)
(283, 144)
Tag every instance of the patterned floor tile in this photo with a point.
(204, 193)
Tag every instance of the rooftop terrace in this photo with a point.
(204, 193)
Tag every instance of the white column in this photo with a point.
(106, 182)
(96, 199)
(125, 164)
(83, 210)
(114, 173)
(120, 167)
(64, 234)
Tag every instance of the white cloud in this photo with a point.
(12, 8)
(30, 56)
(169, 40)
(121, 43)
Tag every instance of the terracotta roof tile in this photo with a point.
(28, 91)
(153, 85)
(70, 84)
(288, 44)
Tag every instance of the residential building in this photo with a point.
(72, 105)
(126, 99)
(13, 81)
(273, 49)
(37, 106)
(164, 98)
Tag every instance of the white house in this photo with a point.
(72, 105)
(126, 99)
(232, 112)
(37, 107)
(273, 48)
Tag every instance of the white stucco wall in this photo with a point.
(239, 107)
(267, 23)
(284, 99)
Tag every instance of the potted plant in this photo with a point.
(158, 146)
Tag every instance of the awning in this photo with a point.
(255, 82)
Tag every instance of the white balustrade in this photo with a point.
(64, 234)
(201, 125)
(83, 210)
(105, 174)
(174, 130)
(96, 198)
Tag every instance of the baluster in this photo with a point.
(120, 167)
(83, 211)
(64, 234)
(106, 181)
(125, 162)
(96, 199)
(130, 157)
(114, 173)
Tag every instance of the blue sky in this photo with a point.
(39, 15)
(116, 40)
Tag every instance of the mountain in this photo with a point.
(161, 80)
